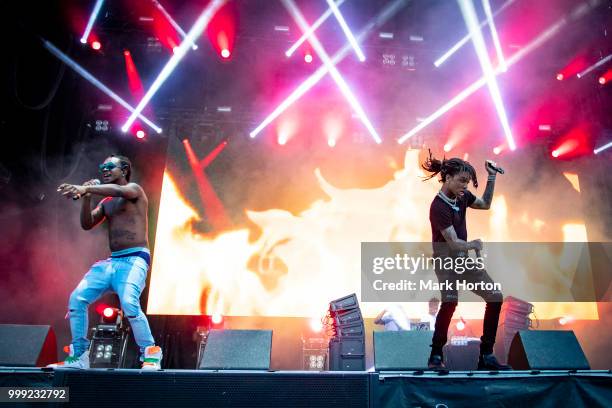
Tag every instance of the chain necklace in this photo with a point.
(452, 203)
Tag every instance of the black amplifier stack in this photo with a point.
(347, 346)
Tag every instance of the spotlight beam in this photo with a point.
(389, 11)
(467, 37)
(346, 30)
(91, 79)
(195, 31)
(541, 39)
(342, 85)
(594, 66)
(172, 22)
(471, 20)
(500, 55)
(602, 148)
(312, 29)
(92, 19)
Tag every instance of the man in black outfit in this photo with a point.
(449, 237)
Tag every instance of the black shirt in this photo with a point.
(442, 216)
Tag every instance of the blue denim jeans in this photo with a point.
(126, 276)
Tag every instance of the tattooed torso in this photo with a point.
(127, 222)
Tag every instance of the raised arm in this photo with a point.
(456, 244)
(484, 202)
(129, 191)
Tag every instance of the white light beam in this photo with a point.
(389, 11)
(92, 19)
(91, 79)
(344, 88)
(312, 29)
(195, 31)
(498, 49)
(172, 22)
(594, 66)
(602, 148)
(541, 39)
(347, 30)
(471, 20)
(465, 39)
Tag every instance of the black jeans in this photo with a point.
(450, 299)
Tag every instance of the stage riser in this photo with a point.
(181, 388)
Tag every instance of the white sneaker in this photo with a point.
(81, 362)
(152, 358)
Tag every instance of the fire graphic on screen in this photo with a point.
(299, 262)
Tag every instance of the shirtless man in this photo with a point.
(125, 272)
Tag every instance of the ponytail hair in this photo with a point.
(448, 167)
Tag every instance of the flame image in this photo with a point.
(300, 262)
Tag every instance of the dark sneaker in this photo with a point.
(489, 362)
(435, 363)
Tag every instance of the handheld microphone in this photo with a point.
(496, 168)
(94, 182)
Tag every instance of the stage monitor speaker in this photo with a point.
(401, 350)
(27, 345)
(237, 350)
(546, 350)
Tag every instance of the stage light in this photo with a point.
(460, 324)
(308, 58)
(217, 321)
(606, 77)
(92, 19)
(331, 142)
(496, 150)
(386, 35)
(467, 37)
(108, 312)
(537, 42)
(555, 153)
(316, 325)
(225, 53)
(195, 31)
(565, 320)
(500, 55)
(560, 77)
(91, 79)
(544, 128)
(140, 134)
(594, 66)
(602, 148)
(469, 15)
(447, 147)
(96, 45)
(345, 29)
(172, 22)
(389, 11)
(311, 30)
(329, 64)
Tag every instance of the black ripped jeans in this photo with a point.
(494, 299)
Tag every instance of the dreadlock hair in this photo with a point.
(448, 167)
(126, 165)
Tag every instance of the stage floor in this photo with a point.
(186, 388)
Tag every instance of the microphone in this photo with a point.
(94, 182)
(494, 167)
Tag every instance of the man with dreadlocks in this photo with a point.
(449, 237)
(125, 271)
